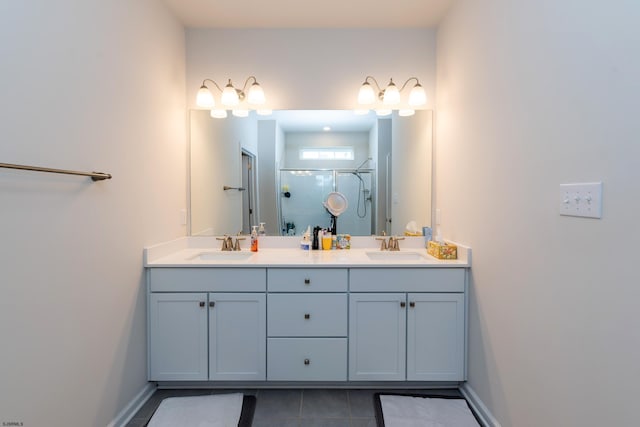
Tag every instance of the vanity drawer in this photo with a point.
(307, 359)
(407, 280)
(207, 280)
(307, 279)
(307, 315)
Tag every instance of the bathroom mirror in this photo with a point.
(280, 169)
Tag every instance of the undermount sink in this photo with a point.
(222, 255)
(395, 255)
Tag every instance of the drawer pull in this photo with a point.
(412, 304)
(307, 361)
(307, 281)
(212, 304)
(201, 303)
(307, 316)
(403, 304)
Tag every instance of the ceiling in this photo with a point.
(316, 120)
(305, 14)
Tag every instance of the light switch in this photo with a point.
(183, 217)
(583, 199)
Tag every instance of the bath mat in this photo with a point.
(217, 410)
(418, 410)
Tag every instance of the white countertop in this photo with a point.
(285, 252)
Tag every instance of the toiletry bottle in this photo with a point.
(315, 244)
(254, 239)
(261, 230)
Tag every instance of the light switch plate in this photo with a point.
(584, 200)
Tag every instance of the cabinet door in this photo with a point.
(177, 336)
(237, 336)
(435, 337)
(377, 327)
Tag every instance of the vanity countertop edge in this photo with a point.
(284, 252)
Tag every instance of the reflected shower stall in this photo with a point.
(303, 191)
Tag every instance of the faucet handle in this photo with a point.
(383, 243)
(236, 246)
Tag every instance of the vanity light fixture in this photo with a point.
(384, 100)
(232, 98)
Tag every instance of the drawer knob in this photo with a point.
(307, 281)
(403, 304)
(201, 303)
(307, 361)
(307, 316)
(412, 304)
(212, 304)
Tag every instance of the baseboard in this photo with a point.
(127, 413)
(486, 417)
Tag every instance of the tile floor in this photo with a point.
(295, 407)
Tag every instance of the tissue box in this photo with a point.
(442, 250)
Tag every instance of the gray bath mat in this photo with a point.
(411, 410)
(218, 410)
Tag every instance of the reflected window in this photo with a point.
(326, 153)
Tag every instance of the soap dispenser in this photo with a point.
(254, 238)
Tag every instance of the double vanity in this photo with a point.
(283, 315)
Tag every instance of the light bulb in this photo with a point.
(383, 112)
(256, 95)
(240, 112)
(417, 96)
(406, 112)
(229, 96)
(204, 98)
(219, 114)
(391, 94)
(367, 95)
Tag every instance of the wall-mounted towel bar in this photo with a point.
(226, 187)
(95, 176)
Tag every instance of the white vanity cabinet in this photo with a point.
(416, 333)
(307, 324)
(207, 324)
(178, 336)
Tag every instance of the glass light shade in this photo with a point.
(264, 112)
(383, 112)
(256, 95)
(406, 112)
(391, 94)
(417, 96)
(360, 112)
(367, 95)
(219, 114)
(229, 96)
(240, 112)
(204, 98)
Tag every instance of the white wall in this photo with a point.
(532, 94)
(310, 69)
(88, 85)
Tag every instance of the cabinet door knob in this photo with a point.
(412, 304)
(201, 303)
(212, 304)
(307, 361)
(403, 304)
(307, 281)
(307, 316)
